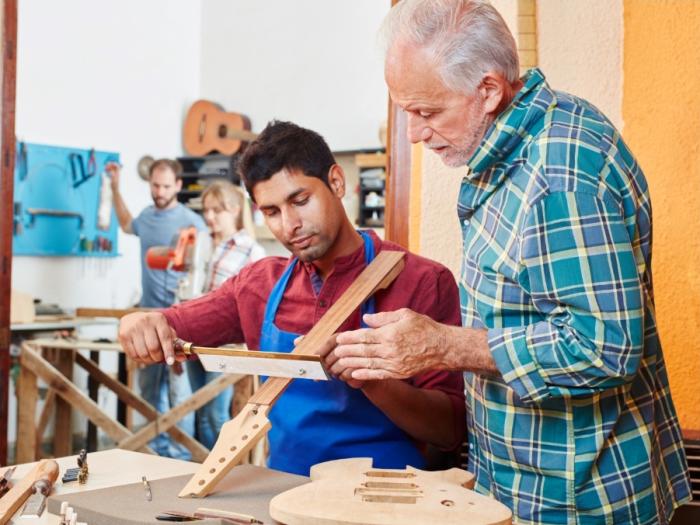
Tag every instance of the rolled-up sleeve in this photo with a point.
(578, 265)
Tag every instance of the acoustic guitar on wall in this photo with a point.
(208, 128)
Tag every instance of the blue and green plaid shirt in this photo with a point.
(556, 219)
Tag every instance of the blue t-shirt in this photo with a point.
(156, 227)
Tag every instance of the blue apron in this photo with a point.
(315, 421)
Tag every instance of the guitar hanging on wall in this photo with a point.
(208, 128)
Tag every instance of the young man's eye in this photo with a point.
(301, 202)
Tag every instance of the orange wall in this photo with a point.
(661, 112)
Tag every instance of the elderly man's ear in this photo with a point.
(493, 89)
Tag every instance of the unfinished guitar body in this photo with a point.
(351, 492)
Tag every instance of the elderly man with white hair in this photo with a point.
(569, 409)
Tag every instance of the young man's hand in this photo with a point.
(330, 363)
(148, 338)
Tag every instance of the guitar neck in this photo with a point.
(239, 134)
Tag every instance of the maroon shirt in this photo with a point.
(234, 312)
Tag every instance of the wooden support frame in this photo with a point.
(133, 400)
(33, 366)
(240, 435)
(30, 359)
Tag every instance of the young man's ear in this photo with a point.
(178, 184)
(336, 181)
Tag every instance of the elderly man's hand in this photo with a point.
(148, 338)
(397, 345)
(325, 352)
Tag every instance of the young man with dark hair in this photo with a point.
(292, 176)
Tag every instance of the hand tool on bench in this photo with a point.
(79, 473)
(45, 471)
(5, 484)
(238, 361)
(240, 434)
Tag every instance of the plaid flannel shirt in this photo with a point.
(229, 258)
(580, 428)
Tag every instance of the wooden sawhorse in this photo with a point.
(34, 366)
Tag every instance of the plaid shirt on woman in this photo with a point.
(556, 220)
(229, 258)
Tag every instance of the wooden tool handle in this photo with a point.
(46, 471)
(46, 477)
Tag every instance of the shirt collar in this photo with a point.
(487, 171)
(510, 127)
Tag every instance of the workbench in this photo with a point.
(248, 488)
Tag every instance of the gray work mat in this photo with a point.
(246, 489)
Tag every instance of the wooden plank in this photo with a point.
(370, 160)
(63, 429)
(133, 400)
(116, 313)
(251, 425)
(8, 73)
(27, 396)
(31, 360)
(398, 178)
(46, 412)
(74, 344)
(171, 417)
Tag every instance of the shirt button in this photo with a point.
(322, 303)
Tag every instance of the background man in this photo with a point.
(291, 174)
(157, 225)
(571, 417)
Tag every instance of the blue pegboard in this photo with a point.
(56, 198)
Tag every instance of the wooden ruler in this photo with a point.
(240, 434)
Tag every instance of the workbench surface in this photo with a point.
(108, 468)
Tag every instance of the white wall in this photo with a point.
(114, 75)
(314, 62)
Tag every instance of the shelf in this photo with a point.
(370, 160)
